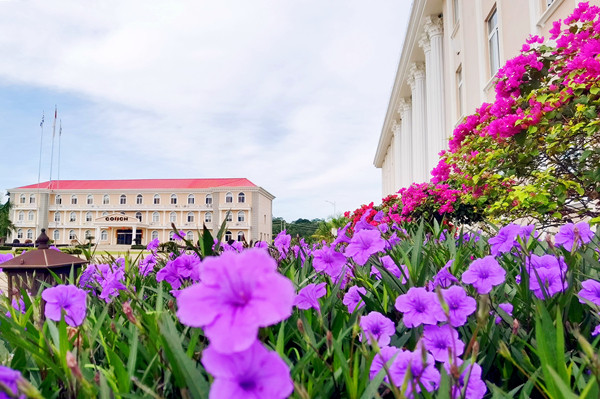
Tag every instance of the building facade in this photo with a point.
(451, 53)
(122, 212)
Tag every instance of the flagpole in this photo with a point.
(59, 136)
(53, 134)
(39, 200)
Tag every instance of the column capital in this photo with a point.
(404, 105)
(416, 72)
(396, 127)
(425, 42)
(434, 26)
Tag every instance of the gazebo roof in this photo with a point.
(41, 258)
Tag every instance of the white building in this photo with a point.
(451, 53)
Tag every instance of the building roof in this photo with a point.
(40, 258)
(139, 184)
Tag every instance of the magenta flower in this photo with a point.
(460, 305)
(238, 294)
(476, 388)
(180, 235)
(442, 342)
(504, 241)
(352, 299)
(546, 281)
(573, 234)
(153, 245)
(18, 305)
(111, 282)
(483, 274)
(188, 266)
(596, 330)
(422, 370)
(329, 261)
(377, 326)
(507, 307)
(419, 307)
(364, 243)
(5, 257)
(10, 378)
(253, 373)
(146, 265)
(591, 291)
(261, 244)
(308, 297)
(170, 274)
(67, 298)
(282, 243)
(444, 278)
(386, 356)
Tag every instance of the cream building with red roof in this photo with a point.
(116, 212)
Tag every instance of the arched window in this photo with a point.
(139, 199)
(56, 235)
(22, 198)
(229, 216)
(228, 236)
(172, 217)
(88, 216)
(240, 236)
(123, 199)
(154, 235)
(241, 197)
(72, 217)
(189, 235)
(57, 216)
(21, 216)
(30, 215)
(72, 235)
(90, 199)
(173, 199)
(155, 217)
(138, 216)
(208, 199)
(191, 199)
(88, 234)
(156, 199)
(104, 213)
(171, 234)
(29, 234)
(20, 233)
(208, 217)
(241, 216)
(104, 235)
(32, 199)
(58, 200)
(190, 217)
(73, 200)
(228, 198)
(106, 199)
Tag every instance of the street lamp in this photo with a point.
(332, 203)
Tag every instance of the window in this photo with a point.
(189, 235)
(240, 236)
(173, 199)
(104, 213)
(156, 199)
(191, 199)
(171, 234)
(155, 217)
(493, 42)
(241, 216)
(105, 199)
(228, 236)
(208, 217)
(88, 216)
(190, 217)
(139, 199)
(154, 235)
(459, 91)
(22, 199)
(72, 217)
(88, 235)
(229, 216)
(456, 10)
(229, 198)
(30, 215)
(103, 235)
(20, 233)
(72, 235)
(241, 197)
(138, 216)
(58, 200)
(56, 235)
(21, 216)
(32, 199)
(172, 217)
(57, 216)
(90, 199)
(123, 199)
(208, 199)
(73, 200)
(29, 234)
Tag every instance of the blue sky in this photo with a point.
(289, 94)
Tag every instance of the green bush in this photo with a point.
(136, 246)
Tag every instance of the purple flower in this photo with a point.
(153, 245)
(111, 282)
(476, 388)
(364, 243)
(5, 257)
(68, 298)
(546, 262)
(460, 305)
(590, 291)
(504, 241)
(483, 274)
(252, 373)
(308, 297)
(261, 244)
(54, 248)
(188, 266)
(573, 234)
(282, 243)
(507, 307)
(180, 235)
(238, 294)
(329, 261)
(390, 265)
(10, 378)
(147, 264)
(550, 279)
(170, 274)
(18, 305)
(353, 298)
(341, 235)
(419, 307)
(422, 372)
(596, 330)
(444, 278)
(384, 357)
(377, 326)
(442, 342)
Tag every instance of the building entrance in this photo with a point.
(124, 236)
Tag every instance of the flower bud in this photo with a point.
(129, 312)
(300, 326)
(515, 327)
(73, 366)
(549, 241)
(329, 339)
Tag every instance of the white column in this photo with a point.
(437, 137)
(406, 157)
(396, 149)
(133, 232)
(416, 81)
(425, 44)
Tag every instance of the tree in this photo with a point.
(6, 224)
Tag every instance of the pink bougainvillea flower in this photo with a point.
(67, 298)
(484, 274)
(308, 297)
(238, 294)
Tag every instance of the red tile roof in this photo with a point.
(140, 184)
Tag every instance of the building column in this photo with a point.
(133, 233)
(416, 81)
(406, 156)
(435, 90)
(397, 150)
(425, 44)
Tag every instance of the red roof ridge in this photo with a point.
(130, 184)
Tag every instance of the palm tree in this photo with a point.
(6, 225)
(325, 230)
